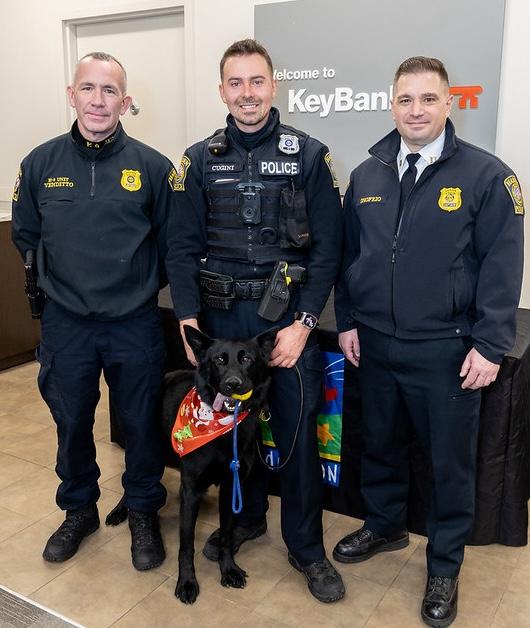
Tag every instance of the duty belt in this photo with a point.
(220, 291)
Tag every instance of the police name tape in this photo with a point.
(58, 184)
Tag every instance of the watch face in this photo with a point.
(308, 320)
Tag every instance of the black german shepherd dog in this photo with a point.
(225, 368)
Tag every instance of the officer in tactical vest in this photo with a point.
(255, 243)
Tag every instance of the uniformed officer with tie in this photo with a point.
(425, 307)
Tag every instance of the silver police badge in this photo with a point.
(288, 144)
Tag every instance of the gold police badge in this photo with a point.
(450, 199)
(130, 180)
(514, 190)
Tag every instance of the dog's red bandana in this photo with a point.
(198, 423)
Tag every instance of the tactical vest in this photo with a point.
(244, 192)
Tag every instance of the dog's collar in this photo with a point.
(197, 423)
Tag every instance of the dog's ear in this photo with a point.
(198, 341)
(266, 341)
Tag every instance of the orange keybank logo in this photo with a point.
(466, 94)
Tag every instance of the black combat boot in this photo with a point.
(323, 580)
(440, 603)
(147, 548)
(65, 541)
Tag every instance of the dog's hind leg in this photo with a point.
(187, 588)
(231, 574)
(118, 514)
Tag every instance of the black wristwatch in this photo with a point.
(308, 320)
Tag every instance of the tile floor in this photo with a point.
(99, 587)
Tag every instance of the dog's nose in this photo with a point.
(233, 383)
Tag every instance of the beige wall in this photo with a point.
(32, 107)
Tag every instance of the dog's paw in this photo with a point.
(234, 577)
(187, 591)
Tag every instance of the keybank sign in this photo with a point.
(335, 63)
(342, 99)
(345, 99)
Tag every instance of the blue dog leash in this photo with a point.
(237, 499)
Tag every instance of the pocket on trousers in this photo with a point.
(46, 381)
(464, 394)
(312, 358)
(156, 354)
(44, 358)
(156, 358)
(312, 372)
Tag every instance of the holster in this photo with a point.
(33, 292)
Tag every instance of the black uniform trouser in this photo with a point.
(131, 353)
(301, 479)
(415, 384)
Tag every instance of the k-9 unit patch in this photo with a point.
(176, 178)
(450, 199)
(514, 190)
(58, 182)
(289, 144)
(130, 180)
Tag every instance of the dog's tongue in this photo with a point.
(218, 401)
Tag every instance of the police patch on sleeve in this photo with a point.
(176, 178)
(329, 163)
(17, 185)
(514, 190)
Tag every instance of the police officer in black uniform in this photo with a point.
(426, 307)
(93, 204)
(254, 193)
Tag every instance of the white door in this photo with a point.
(151, 48)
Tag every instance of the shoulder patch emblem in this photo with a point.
(176, 178)
(450, 199)
(289, 144)
(329, 164)
(514, 190)
(17, 185)
(130, 180)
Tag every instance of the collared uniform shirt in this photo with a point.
(428, 155)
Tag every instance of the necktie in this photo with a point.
(408, 179)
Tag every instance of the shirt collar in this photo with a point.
(429, 153)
